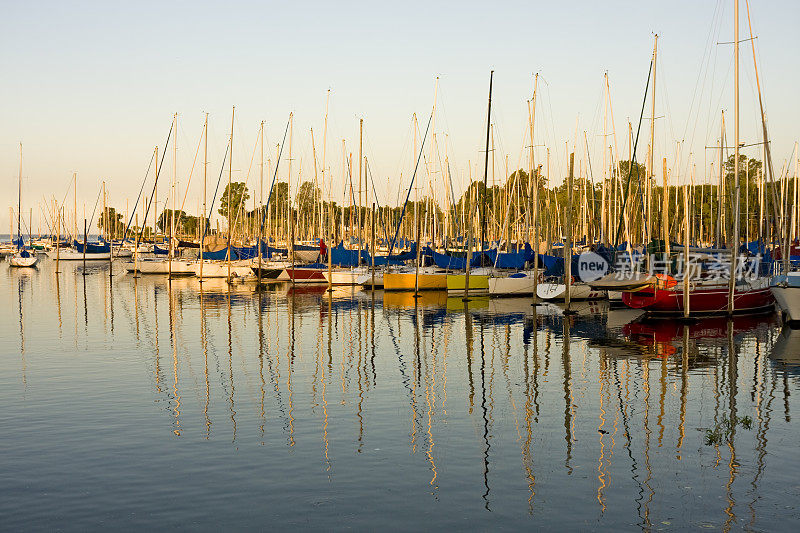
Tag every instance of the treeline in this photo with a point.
(626, 204)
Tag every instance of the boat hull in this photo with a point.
(23, 262)
(177, 268)
(703, 301)
(478, 283)
(406, 281)
(268, 271)
(511, 286)
(342, 277)
(556, 292)
(365, 279)
(220, 270)
(788, 300)
(302, 275)
(74, 255)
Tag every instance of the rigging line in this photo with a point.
(702, 73)
(91, 220)
(408, 194)
(242, 207)
(591, 180)
(453, 199)
(213, 198)
(155, 182)
(189, 181)
(69, 187)
(127, 227)
(275, 175)
(632, 162)
(377, 202)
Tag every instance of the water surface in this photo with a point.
(143, 403)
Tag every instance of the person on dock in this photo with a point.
(323, 251)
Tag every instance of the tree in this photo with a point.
(277, 200)
(165, 220)
(115, 224)
(308, 195)
(237, 193)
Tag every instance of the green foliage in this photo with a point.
(115, 224)
(308, 196)
(185, 224)
(236, 194)
(723, 431)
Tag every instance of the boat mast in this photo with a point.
(230, 175)
(75, 201)
(172, 211)
(486, 161)
(205, 179)
(19, 201)
(735, 236)
(360, 160)
(533, 192)
(651, 168)
(261, 204)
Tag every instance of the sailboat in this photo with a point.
(786, 290)
(707, 294)
(22, 258)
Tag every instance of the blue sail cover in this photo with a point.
(219, 255)
(160, 251)
(397, 259)
(92, 248)
(554, 266)
(515, 260)
(240, 252)
(343, 257)
(449, 262)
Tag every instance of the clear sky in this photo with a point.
(90, 87)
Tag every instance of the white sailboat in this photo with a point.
(22, 257)
(786, 290)
(518, 284)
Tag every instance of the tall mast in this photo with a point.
(486, 161)
(205, 180)
(19, 200)
(174, 183)
(230, 175)
(765, 139)
(533, 191)
(721, 188)
(331, 222)
(360, 160)
(289, 220)
(75, 202)
(261, 202)
(651, 168)
(603, 217)
(431, 183)
(154, 198)
(735, 236)
(321, 204)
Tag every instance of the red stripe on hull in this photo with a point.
(309, 275)
(701, 301)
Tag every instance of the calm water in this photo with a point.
(138, 404)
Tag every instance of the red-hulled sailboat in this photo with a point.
(706, 297)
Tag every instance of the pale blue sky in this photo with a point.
(91, 86)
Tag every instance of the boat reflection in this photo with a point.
(486, 397)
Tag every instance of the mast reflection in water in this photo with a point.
(155, 403)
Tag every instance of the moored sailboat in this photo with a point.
(22, 257)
